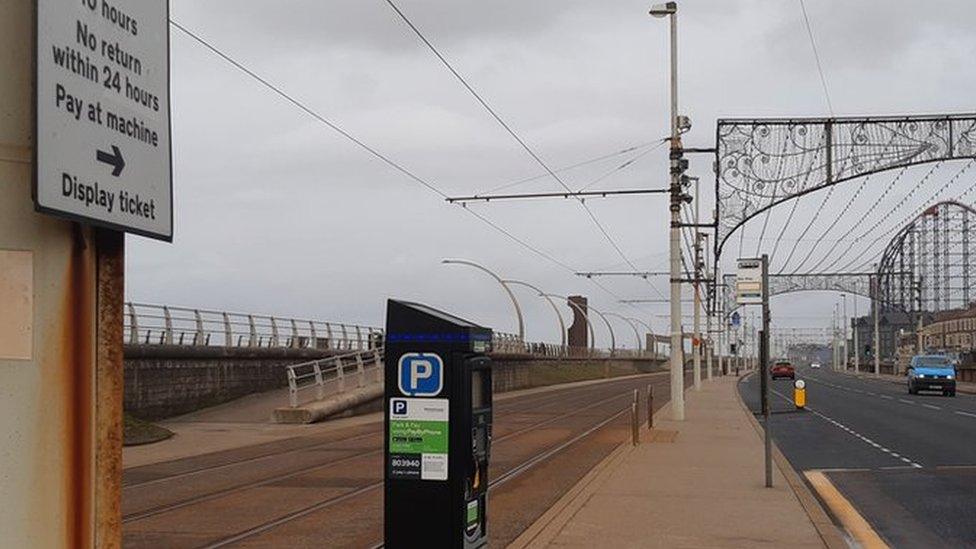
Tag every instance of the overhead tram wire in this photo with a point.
(374, 152)
(619, 168)
(562, 169)
(396, 166)
(515, 136)
(816, 55)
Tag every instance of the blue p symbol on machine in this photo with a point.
(420, 374)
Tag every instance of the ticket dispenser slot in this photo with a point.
(437, 419)
(476, 487)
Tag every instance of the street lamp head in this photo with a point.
(684, 123)
(665, 9)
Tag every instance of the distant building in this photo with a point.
(890, 326)
(951, 331)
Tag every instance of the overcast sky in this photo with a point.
(276, 213)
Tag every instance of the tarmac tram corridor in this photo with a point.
(905, 463)
(325, 489)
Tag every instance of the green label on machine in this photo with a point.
(472, 512)
(418, 438)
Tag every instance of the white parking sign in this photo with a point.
(103, 114)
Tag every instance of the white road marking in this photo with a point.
(906, 401)
(967, 414)
(887, 397)
(930, 407)
(853, 432)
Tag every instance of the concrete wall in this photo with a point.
(168, 380)
(513, 373)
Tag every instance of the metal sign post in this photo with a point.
(84, 124)
(752, 288)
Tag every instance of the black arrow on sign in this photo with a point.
(115, 159)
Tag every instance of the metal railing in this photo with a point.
(334, 375)
(148, 324)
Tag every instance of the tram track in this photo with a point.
(139, 515)
(571, 416)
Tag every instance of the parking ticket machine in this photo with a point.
(438, 402)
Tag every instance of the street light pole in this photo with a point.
(833, 340)
(518, 310)
(844, 343)
(613, 339)
(632, 325)
(696, 342)
(670, 9)
(857, 349)
(877, 326)
(559, 316)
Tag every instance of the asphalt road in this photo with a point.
(907, 463)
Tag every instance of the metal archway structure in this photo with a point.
(779, 284)
(929, 265)
(761, 163)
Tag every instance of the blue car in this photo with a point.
(932, 373)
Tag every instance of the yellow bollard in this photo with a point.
(800, 394)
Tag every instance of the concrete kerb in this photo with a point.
(829, 532)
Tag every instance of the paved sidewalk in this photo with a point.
(704, 489)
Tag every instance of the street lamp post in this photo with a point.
(613, 339)
(844, 345)
(559, 317)
(857, 340)
(632, 325)
(515, 303)
(670, 9)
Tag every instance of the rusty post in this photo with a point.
(634, 422)
(109, 382)
(650, 407)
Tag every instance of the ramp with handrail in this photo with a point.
(320, 379)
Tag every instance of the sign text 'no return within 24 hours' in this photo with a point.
(103, 114)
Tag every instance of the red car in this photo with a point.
(782, 368)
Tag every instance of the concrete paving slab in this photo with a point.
(703, 489)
